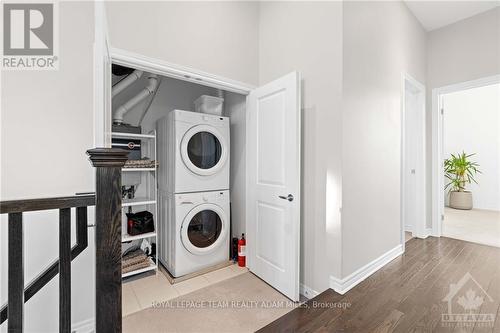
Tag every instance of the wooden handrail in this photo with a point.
(30, 205)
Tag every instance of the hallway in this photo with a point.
(476, 225)
(410, 293)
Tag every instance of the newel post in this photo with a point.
(108, 163)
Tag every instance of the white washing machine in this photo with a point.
(193, 152)
(195, 231)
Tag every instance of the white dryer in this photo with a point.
(195, 231)
(193, 152)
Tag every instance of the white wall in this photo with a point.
(463, 51)
(307, 37)
(46, 127)
(381, 40)
(216, 37)
(472, 124)
(234, 107)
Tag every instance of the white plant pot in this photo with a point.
(461, 200)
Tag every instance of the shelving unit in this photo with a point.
(148, 200)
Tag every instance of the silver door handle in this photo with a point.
(289, 197)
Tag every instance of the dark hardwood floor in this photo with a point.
(408, 294)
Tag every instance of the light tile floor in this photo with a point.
(476, 225)
(139, 294)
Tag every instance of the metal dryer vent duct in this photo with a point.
(149, 90)
(123, 84)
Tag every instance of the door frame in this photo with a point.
(437, 172)
(184, 73)
(163, 68)
(421, 163)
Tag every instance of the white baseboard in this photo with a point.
(85, 326)
(409, 228)
(344, 285)
(427, 232)
(307, 291)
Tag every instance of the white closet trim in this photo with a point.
(160, 67)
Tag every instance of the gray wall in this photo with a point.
(216, 37)
(235, 106)
(463, 51)
(46, 127)
(307, 37)
(176, 94)
(381, 41)
(172, 94)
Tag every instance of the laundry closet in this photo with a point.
(210, 159)
(183, 187)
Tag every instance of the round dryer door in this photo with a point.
(203, 150)
(204, 229)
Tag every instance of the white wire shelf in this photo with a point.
(121, 135)
(138, 169)
(128, 238)
(152, 266)
(138, 202)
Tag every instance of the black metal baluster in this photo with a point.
(64, 270)
(81, 228)
(15, 273)
(15, 208)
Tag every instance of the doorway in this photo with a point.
(242, 112)
(466, 127)
(413, 159)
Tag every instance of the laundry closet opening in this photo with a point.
(184, 184)
(210, 159)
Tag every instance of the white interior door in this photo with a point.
(410, 188)
(413, 170)
(273, 183)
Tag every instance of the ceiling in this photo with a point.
(436, 14)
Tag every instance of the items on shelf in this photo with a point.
(146, 247)
(134, 260)
(140, 223)
(143, 163)
(128, 192)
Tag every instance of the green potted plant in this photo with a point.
(460, 171)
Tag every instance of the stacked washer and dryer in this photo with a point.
(193, 182)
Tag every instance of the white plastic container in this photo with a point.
(209, 104)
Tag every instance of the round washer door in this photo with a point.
(204, 229)
(203, 150)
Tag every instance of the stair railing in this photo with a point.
(108, 163)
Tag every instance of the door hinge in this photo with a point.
(442, 111)
(442, 217)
